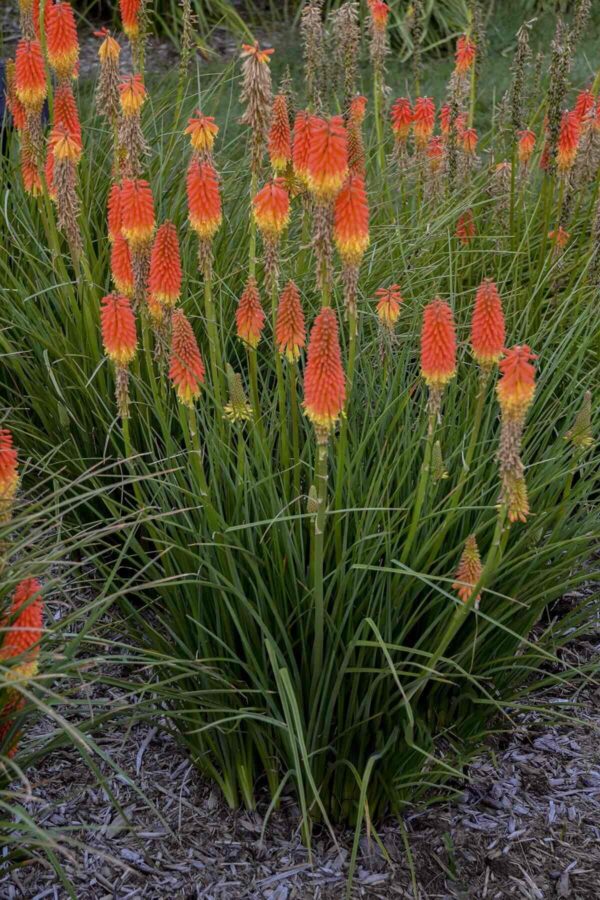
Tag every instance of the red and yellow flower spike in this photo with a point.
(66, 113)
(290, 330)
(62, 45)
(568, 141)
(351, 221)
(423, 121)
(324, 379)
(132, 95)
(525, 145)
(65, 146)
(121, 267)
(204, 199)
(389, 301)
(584, 106)
(30, 75)
(30, 172)
(262, 55)
(301, 144)
(186, 370)
(202, 131)
(280, 138)
(488, 331)
(271, 209)
(164, 282)
(379, 14)
(468, 141)
(468, 572)
(402, 118)
(130, 17)
(137, 212)
(24, 628)
(516, 387)
(14, 105)
(118, 329)
(438, 344)
(250, 316)
(435, 153)
(9, 474)
(114, 212)
(465, 55)
(327, 158)
(109, 50)
(560, 237)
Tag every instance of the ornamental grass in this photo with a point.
(355, 384)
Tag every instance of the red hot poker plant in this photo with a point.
(186, 369)
(61, 39)
(290, 330)
(324, 379)
(487, 325)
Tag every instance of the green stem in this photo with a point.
(318, 539)
(284, 446)
(214, 348)
(421, 490)
(378, 106)
(295, 427)
(343, 440)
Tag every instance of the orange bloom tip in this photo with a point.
(290, 330)
(379, 14)
(584, 106)
(516, 387)
(202, 131)
(114, 212)
(469, 571)
(250, 316)
(358, 106)
(469, 139)
(61, 38)
(204, 199)
(301, 144)
(137, 212)
(568, 141)
(130, 14)
(132, 95)
(327, 163)
(465, 54)
(65, 112)
(559, 236)
(487, 326)
(402, 117)
(164, 281)
(526, 145)
(118, 329)
(30, 75)
(271, 208)
(254, 50)
(186, 370)
(435, 152)
(31, 176)
(24, 622)
(351, 221)
(109, 50)
(9, 473)
(438, 344)
(280, 140)
(423, 120)
(389, 301)
(120, 265)
(324, 379)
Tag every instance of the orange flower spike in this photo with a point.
(61, 39)
(24, 627)
(262, 55)
(559, 236)
(109, 50)
(438, 344)
(65, 111)
(584, 105)
(423, 120)
(130, 17)
(568, 141)
(301, 144)
(358, 108)
(132, 95)
(324, 379)
(517, 385)
(15, 107)
(164, 281)
(402, 118)
(114, 212)
(327, 157)
(271, 209)
(487, 325)
(202, 131)
(389, 301)
(204, 199)
(118, 329)
(30, 75)
(120, 266)
(469, 571)
(351, 221)
(379, 14)
(137, 212)
(465, 55)
(280, 138)
(435, 152)
(290, 330)
(186, 370)
(65, 146)
(465, 227)
(469, 139)
(250, 316)
(30, 173)
(526, 145)
(9, 471)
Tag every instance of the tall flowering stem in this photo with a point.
(324, 399)
(290, 337)
(379, 12)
